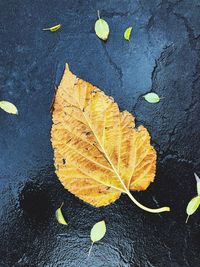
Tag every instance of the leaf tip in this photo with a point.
(66, 66)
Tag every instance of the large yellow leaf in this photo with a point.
(98, 152)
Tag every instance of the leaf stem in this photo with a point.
(197, 178)
(163, 209)
(98, 14)
(61, 205)
(187, 219)
(90, 249)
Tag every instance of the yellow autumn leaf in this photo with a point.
(98, 152)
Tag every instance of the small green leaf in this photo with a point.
(59, 216)
(198, 183)
(8, 107)
(152, 98)
(192, 206)
(127, 33)
(54, 28)
(98, 231)
(101, 28)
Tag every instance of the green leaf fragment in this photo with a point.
(97, 233)
(8, 107)
(101, 28)
(192, 206)
(127, 33)
(59, 216)
(54, 28)
(152, 98)
(198, 183)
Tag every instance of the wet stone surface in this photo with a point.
(163, 56)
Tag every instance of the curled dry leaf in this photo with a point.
(127, 33)
(59, 216)
(54, 28)
(98, 152)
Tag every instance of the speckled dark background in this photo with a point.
(163, 56)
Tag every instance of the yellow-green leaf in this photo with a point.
(8, 107)
(59, 216)
(152, 98)
(101, 28)
(127, 33)
(54, 28)
(192, 206)
(98, 231)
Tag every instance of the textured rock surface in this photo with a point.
(163, 56)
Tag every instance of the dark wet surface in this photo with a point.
(163, 56)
